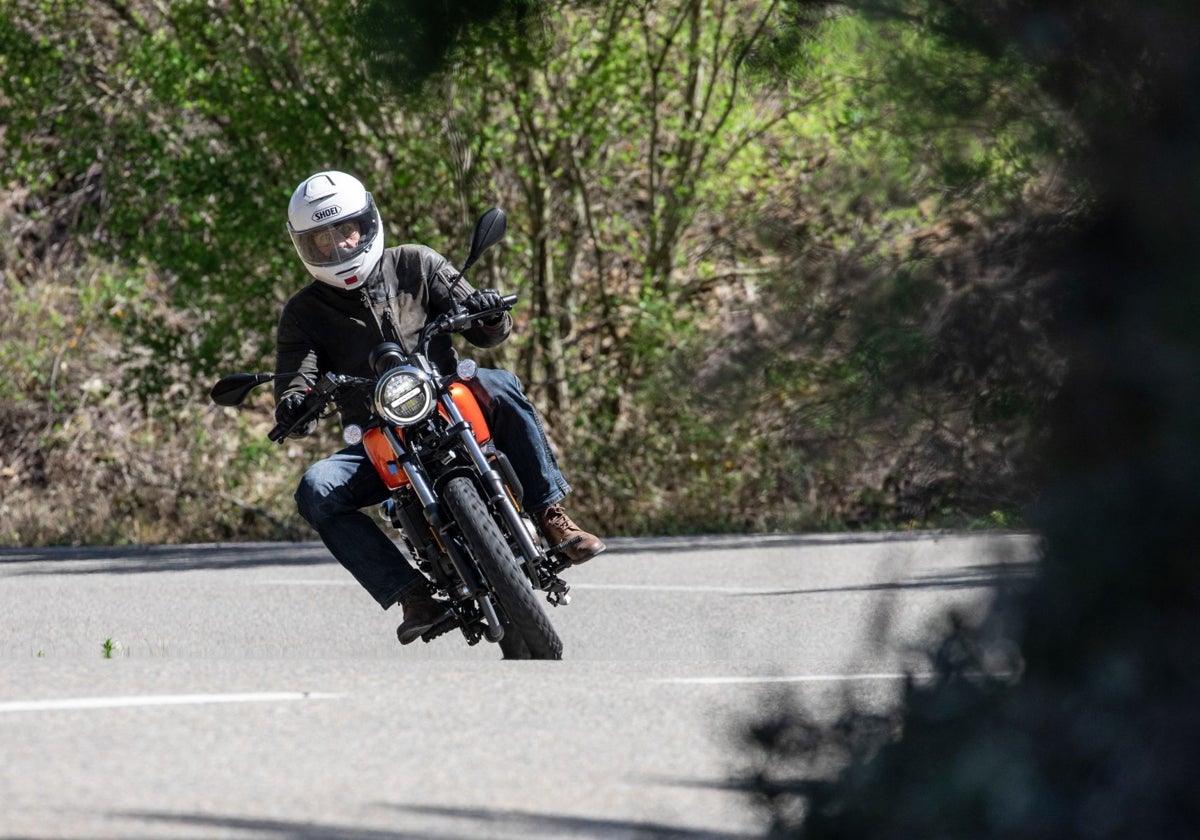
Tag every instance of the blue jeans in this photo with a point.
(334, 490)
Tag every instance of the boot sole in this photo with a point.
(414, 633)
(583, 560)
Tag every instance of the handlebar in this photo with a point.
(280, 431)
(317, 397)
(459, 321)
(325, 389)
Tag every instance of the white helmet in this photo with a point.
(336, 229)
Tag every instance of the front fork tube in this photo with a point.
(496, 492)
(433, 515)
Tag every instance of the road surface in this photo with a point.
(254, 691)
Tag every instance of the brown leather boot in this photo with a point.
(557, 527)
(420, 613)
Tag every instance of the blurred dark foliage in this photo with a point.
(1098, 736)
(411, 42)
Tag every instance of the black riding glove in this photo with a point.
(483, 300)
(289, 409)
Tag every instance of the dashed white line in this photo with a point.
(76, 703)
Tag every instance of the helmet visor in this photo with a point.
(338, 241)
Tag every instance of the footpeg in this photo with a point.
(557, 555)
(445, 623)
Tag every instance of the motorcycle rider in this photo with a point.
(363, 294)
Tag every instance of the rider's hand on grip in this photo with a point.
(484, 300)
(290, 410)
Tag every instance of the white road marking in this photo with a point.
(76, 703)
(310, 582)
(806, 678)
(651, 587)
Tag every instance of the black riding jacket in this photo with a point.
(324, 329)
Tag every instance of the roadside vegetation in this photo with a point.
(779, 269)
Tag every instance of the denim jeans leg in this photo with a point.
(518, 432)
(330, 498)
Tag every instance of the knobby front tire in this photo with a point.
(524, 615)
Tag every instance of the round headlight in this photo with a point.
(403, 396)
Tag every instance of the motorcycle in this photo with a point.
(455, 499)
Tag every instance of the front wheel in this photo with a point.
(522, 614)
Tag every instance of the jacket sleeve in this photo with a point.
(294, 352)
(447, 287)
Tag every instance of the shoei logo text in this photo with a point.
(326, 213)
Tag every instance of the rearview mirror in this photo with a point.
(232, 390)
(489, 230)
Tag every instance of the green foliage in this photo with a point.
(198, 124)
(919, 118)
(860, 373)
(713, 204)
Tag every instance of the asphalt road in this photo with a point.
(253, 691)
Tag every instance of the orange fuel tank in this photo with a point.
(468, 406)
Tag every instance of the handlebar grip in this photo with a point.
(314, 400)
(509, 301)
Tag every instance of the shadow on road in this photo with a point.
(527, 824)
(462, 824)
(90, 560)
(723, 542)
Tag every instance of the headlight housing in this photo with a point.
(404, 395)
